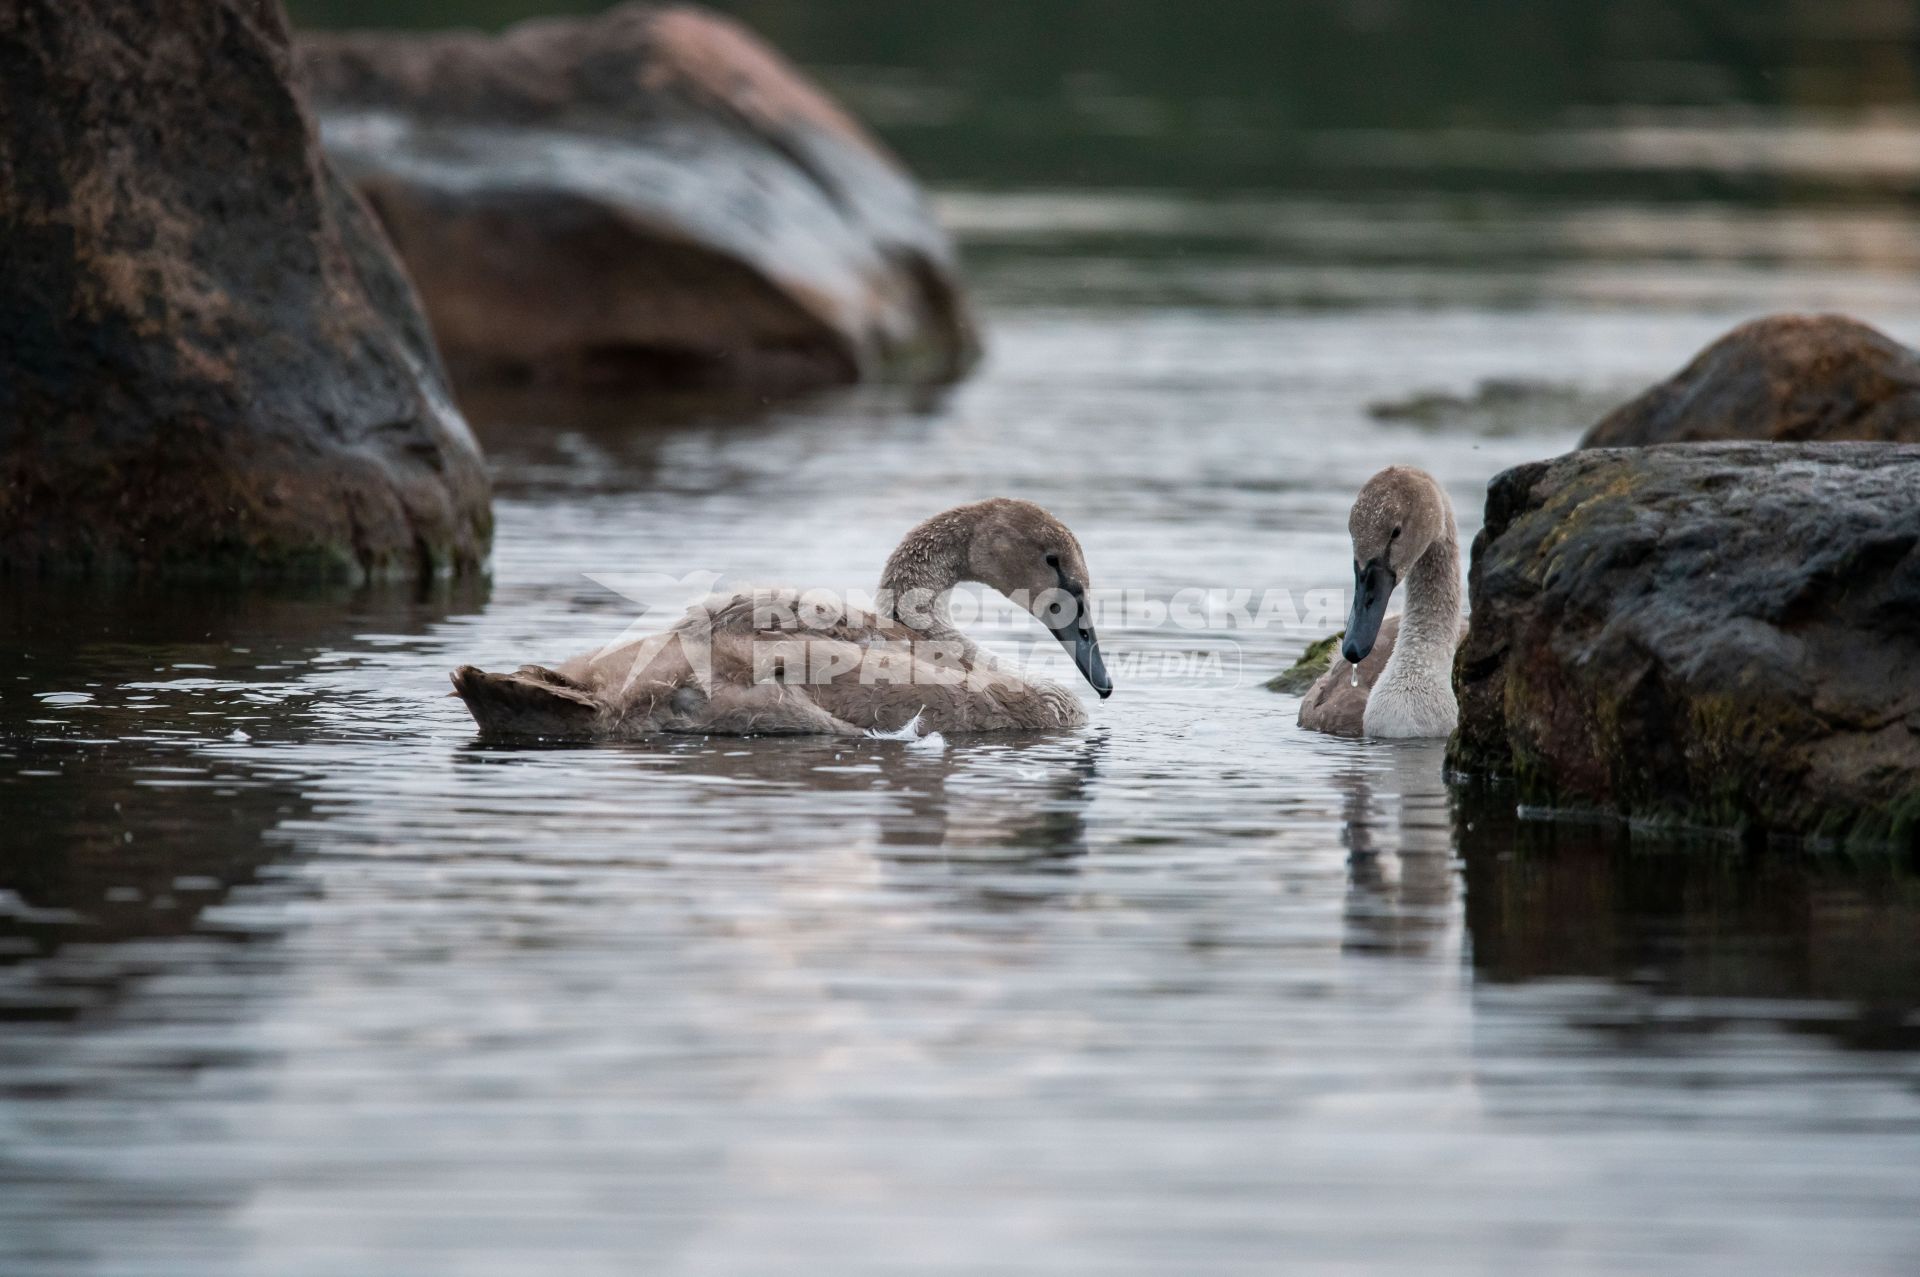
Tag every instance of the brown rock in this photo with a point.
(1720, 635)
(648, 197)
(1785, 378)
(212, 364)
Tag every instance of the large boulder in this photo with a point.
(1721, 635)
(212, 362)
(650, 197)
(1798, 378)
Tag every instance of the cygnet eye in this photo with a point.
(1053, 560)
(1395, 536)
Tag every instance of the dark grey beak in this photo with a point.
(1074, 628)
(1085, 648)
(1080, 642)
(1372, 586)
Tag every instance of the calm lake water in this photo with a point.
(302, 979)
(298, 978)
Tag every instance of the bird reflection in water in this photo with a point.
(1401, 878)
(1002, 802)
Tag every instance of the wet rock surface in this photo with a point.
(650, 198)
(213, 365)
(1785, 378)
(1717, 635)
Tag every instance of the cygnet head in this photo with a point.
(1397, 517)
(1025, 553)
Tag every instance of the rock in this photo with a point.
(1719, 635)
(1498, 407)
(1785, 378)
(650, 197)
(1306, 671)
(213, 365)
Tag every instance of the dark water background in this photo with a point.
(296, 977)
(1568, 97)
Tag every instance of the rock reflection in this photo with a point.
(1808, 940)
(135, 807)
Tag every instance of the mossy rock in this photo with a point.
(1712, 636)
(1306, 671)
(215, 367)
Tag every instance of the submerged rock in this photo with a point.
(1306, 671)
(213, 365)
(648, 197)
(1785, 378)
(1498, 407)
(1716, 635)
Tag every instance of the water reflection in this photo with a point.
(140, 767)
(605, 442)
(1000, 804)
(1190, 988)
(1401, 863)
(1812, 940)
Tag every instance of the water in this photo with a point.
(297, 977)
(1763, 99)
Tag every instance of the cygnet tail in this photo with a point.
(529, 702)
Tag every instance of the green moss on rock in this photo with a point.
(1306, 671)
(215, 367)
(1704, 637)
